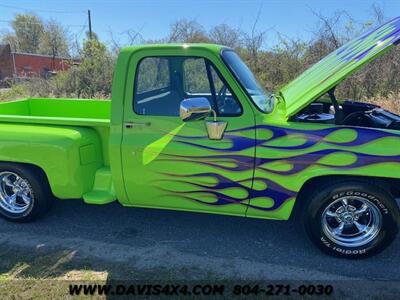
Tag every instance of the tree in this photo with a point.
(54, 40)
(225, 35)
(253, 42)
(132, 37)
(94, 75)
(28, 29)
(11, 39)
(187, 31)
(30, 34)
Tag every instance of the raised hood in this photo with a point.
(335, 67)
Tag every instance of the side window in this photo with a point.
(153, 74)
(155, 92)
(195, 79)
(163, 82)
(202, 80)
(227, 103)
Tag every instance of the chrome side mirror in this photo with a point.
(194, 109)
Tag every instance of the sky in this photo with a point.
(293, 18)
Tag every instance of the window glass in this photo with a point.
(218, 83)
(195, 76)
(263, 100)
(155, 93)
(153, 73)
(227, 103)
(163, 82)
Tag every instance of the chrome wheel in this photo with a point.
(16, 195)
(352, 221)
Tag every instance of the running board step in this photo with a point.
(103, 188)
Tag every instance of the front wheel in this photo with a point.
(351, 218)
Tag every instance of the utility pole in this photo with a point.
(90, 24)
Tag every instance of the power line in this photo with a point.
(43, 10)
(79, 34)
(29, 22)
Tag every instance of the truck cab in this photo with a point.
(177, 162)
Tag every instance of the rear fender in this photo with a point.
(69, 156)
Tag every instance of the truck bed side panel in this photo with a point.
(69, 156)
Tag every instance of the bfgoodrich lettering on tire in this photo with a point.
(24, 192)
(351, 218)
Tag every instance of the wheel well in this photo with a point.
(32, 167)
(392, 185)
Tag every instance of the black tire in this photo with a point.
(329, 195)
(41, 195)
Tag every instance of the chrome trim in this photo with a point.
(198, 108)
(351, 221)
(134, 124)
(216, 129)
(16, 195)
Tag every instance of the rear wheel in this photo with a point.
(351, 218)
(24, 193)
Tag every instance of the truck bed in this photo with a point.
(67, 138)
(74, 112)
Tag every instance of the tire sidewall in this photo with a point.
(379, 197)
(39, 203)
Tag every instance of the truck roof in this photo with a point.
(211, 47)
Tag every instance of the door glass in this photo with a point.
(163, 82)
(195, 77)
(227, 103)
(154, 93)
(202, 80)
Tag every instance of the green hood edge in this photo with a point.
(338, 65)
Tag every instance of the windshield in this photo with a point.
(263, 100)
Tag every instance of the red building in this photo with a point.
(23, 65)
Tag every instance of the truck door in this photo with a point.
(169, 163)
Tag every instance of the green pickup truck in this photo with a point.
(189, 128)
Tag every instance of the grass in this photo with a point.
(42, 275)
(47, 274)
(13, 93)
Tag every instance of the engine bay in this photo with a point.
(348, 112)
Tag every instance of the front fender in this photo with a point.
(288, 157)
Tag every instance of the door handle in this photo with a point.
(134, 124)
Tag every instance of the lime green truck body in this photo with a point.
(103, 151)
